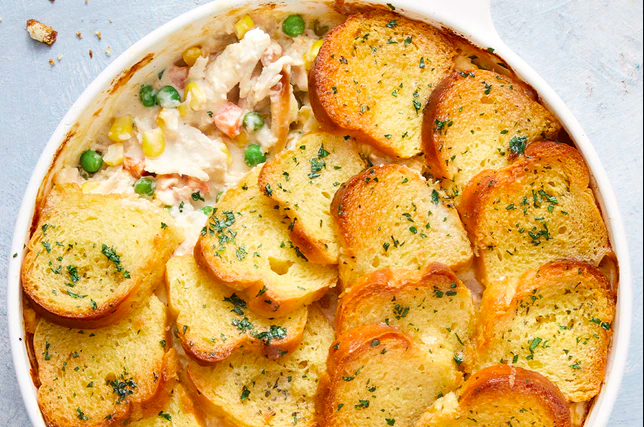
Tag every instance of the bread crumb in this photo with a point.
(41, 32)
(108, 51)
(79, 35)
(51, 62)
(60, 57)
(99, 35)
(91, 54)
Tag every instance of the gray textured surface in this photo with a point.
(589, 50)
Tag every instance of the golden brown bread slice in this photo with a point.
(93, 258)
(391, 217)
(246, 245)
(537, 210)
(373, 76)
(501, 396)
(102, 376)
(378, 376)
(432, 305)
(178, 412)
(249, 390)
(213, 321)
(479, 120)
(558, 322)
(303, 181)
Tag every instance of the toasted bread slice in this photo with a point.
(391, 217)
(213, 322)
(246, 245)
(433, 306)
(93, 258)
(373, 76)
(501, 396)
(537, 210)
(558, 323)
(480, 120)
(178, 412)
(303, 182)
(102, 376)
(250, 391)
(378, 376)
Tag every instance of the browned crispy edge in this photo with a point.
(320, 96)
(274, 350)
(430, 146)
(389, 283)
(515, 382)
(344, 352)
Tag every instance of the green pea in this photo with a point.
(91, 161)
(294, 26)
(253, 122)
(147, 96)
(254, 155)
(144, 187)
(168, 97)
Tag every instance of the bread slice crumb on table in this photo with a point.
(41, 33)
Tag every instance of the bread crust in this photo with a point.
(134, 407)
(267, 292)
(483, 190)
(212, 353)
(497, 390)
(317, 245)
(346, 365)
(502, 303)
(436, 283)
(357, 199)
(337, 117)
(432, 146)
(140, 286)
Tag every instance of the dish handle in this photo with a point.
(470, 17)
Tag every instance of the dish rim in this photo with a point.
(470, 18)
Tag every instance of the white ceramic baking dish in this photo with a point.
(469, 18)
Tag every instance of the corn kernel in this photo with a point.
(184, 109)
(226, 151)
(114, 155)
(89, 186)
(191, 55)
(243, 26)
(121, 129)
(312, 54)
(168, 121)
(153, 143)
(197, 97)
(242, 139)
